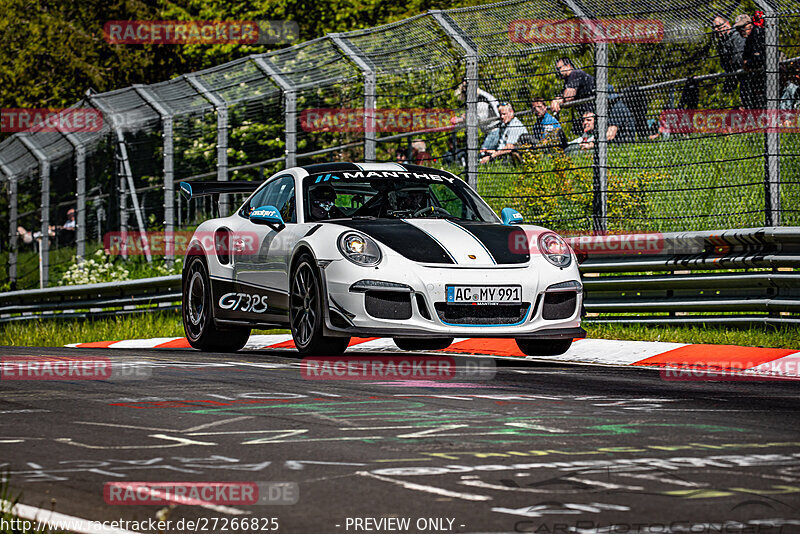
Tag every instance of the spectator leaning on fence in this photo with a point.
(586, 140)
(577, 85)
(730, 47)
(488, 108)
(621, 122)
(753, 62)
(502, 140)
(546, 124)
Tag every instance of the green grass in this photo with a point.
(699, 183)
(785, 337)
(60, 332)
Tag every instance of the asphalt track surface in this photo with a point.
(543, 447)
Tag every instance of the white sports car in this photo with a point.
(375, 249)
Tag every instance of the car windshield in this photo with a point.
(379, 196)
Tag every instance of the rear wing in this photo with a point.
(203, 189)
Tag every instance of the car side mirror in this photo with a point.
(268, 215)
(510, 216)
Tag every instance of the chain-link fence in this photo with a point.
(584, 115)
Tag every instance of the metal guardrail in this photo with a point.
(91, 300)
(731, 277)
(740, 276)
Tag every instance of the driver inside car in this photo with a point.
(323, 203)
(408, 200)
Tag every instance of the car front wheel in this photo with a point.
(306, 312)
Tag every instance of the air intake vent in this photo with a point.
(388, 304)
(423, 308)
(560, 305)
(474, 314)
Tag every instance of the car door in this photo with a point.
(260, 252)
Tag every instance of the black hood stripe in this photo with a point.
(402, 237)
(500, 240)
(473, 236)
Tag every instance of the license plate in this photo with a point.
(484, 294)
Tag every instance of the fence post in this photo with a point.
(449, 26)
(125, 176)
(80, 182)
(169, 174)
(222, 134)
(600, 162)
(44, 243)
(370, 81)
(13, 216)
(289, 107)
(772, 169)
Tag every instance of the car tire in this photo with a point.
(198, 318)
(543, 347)
(306, 312)
(410, 343)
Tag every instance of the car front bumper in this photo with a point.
(425, 313)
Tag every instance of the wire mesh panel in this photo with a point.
(416, 71)
(518, 66)
(255, 114)
(322, 80)
(789, 47)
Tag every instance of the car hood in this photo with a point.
(457, 243)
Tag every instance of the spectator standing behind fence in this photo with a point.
(577, 85)
(730, 47)
(753, 62)
(502, 140)
(488, 108)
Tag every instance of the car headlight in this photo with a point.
(359, 249)
(555, 249)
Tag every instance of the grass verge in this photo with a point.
(60, 332)
(754, 336)
(10, 523)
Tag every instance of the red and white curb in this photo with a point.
(678, 361)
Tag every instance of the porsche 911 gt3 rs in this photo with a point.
(337, 250)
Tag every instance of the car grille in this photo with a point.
(388, 304)
(495, 314)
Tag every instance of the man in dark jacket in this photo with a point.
(754, 58)
(730, 47)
